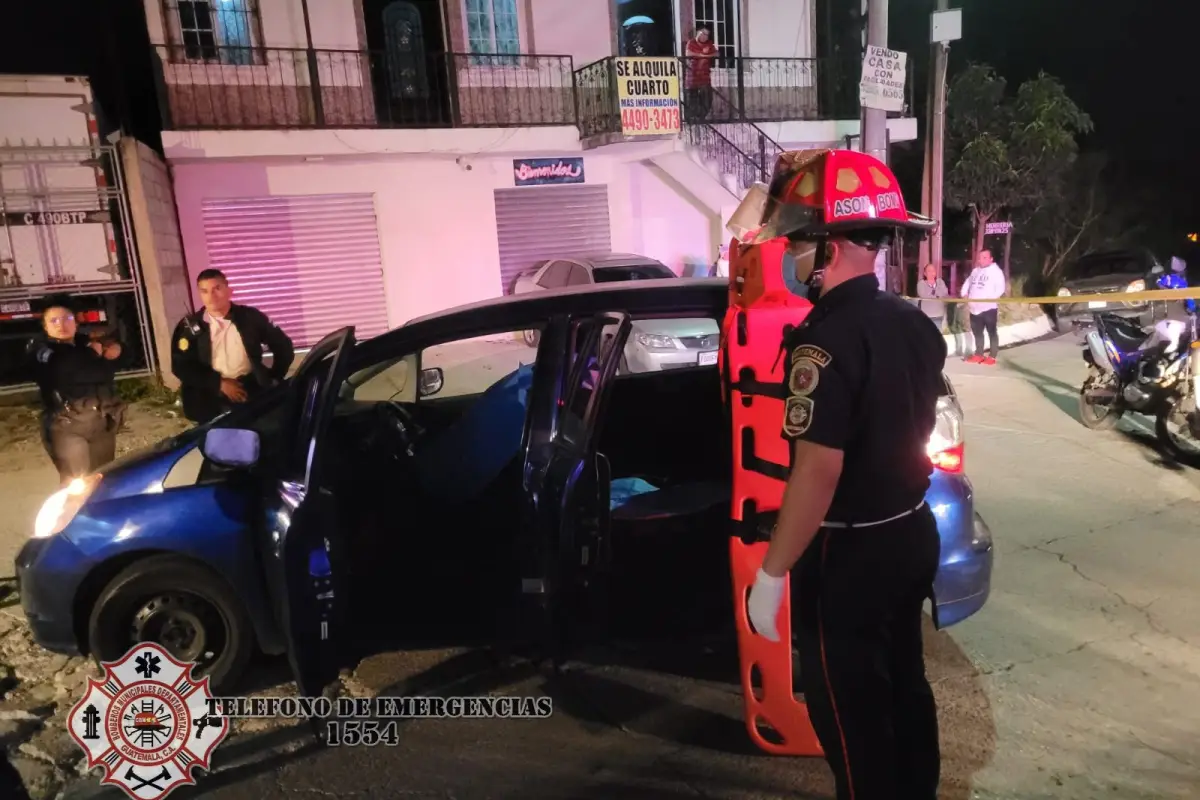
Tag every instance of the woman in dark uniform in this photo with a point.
(80, 409)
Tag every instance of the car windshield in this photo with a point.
(631, 272)
(1101, 267)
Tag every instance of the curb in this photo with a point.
(961, 344)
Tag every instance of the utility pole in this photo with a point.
(874, 120)
(314, 75)
(944, 28)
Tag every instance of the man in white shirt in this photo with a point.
(985, 282)
(217, 353)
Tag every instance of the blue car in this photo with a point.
(508, 489)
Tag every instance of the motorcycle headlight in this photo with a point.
(62, 506)
(655, 341)
(1136, 286)
(1064, 292)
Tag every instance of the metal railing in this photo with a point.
(736, 90)
(273, 87)
(724, 155)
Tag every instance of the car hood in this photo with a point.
(1116, 281)
(144, 470)
(678, 327)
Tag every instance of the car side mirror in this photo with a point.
(431, 381)
(231, 447)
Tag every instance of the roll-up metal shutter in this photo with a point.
(310, 262)
(542, 222)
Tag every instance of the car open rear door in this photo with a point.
(563, 542)
(301, 550)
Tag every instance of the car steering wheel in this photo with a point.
(402, 422)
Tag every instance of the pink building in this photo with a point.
(371, 161)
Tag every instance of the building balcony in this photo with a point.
(752, 90)
(230, 88)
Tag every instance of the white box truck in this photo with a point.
(60, 210)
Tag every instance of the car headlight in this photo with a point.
(655, 341)
(1136, 286)
(1064, 292)
(62, 506)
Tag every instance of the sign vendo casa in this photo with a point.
(884, 76)
(648, 95)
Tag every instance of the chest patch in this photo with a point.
(183, 345)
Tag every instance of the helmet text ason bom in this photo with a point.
(820, 193)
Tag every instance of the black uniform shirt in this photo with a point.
(863, 374)
(71, 371)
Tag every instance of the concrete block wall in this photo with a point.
(160, 247)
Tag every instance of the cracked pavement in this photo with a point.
(1079, 678)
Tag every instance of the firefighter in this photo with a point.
(863, 372)
(217, 353)
(75, 373)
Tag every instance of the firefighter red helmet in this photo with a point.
(818, 193)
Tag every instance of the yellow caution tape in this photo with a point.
(1111, 297)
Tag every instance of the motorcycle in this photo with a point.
(1159, 381)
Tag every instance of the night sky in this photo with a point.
(1131, 65)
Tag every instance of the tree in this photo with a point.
(1080, 218)
(1008, 152)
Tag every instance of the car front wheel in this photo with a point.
(180, 605)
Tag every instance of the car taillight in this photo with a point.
(946, 446)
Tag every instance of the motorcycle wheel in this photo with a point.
(1182, 446)
(1094, 416)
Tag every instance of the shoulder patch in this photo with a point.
(797, 416)
(803, 378)
(811, 352)
(182, 344)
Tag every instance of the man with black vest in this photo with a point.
(217, 353)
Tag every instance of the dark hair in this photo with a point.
(211, 275)
(56, 301)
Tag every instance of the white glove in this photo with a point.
(766, 596)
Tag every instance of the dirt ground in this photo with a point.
(1078, 680)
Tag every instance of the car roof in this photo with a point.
(601, 260)
(657, 297)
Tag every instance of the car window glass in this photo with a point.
(578, 276)
(555, 275)
(655, 345)
(390, 381)
(1108, 265)
(631, 272)
(472, 366)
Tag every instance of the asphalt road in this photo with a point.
(1079, 679)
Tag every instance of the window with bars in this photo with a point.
(223, 31)
(720, 18)
(492, 28)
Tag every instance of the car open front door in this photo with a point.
(301, 549)
(563, 542)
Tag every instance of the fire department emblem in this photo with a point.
(146, 722)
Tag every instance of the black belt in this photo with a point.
(873, 523)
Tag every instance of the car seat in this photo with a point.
(465, 458)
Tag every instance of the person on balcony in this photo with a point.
(699, 56)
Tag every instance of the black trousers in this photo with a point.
(857, 596)
(980, 322)
(80, 440)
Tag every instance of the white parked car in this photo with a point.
(654, 345)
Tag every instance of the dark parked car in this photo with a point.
(433, 479)
(1116, 273)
